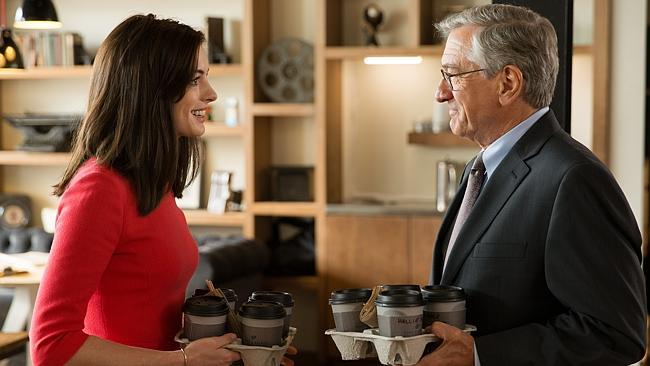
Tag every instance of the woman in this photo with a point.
(113, 290)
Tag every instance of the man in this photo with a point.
(549, 251)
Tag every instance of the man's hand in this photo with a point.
(457, 348)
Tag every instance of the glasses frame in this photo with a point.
(447, 76)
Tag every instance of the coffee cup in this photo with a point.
(283, 298)
(444, 303)
(204, 316)
(401, 287)
(346, 306)
(399, 313)
(231, 295)
(262, 323)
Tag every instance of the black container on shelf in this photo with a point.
(292, 183)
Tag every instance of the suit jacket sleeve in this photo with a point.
(592, 264)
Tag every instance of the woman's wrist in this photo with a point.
(184, 355)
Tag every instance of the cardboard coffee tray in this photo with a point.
(390, 350)
(254, 355)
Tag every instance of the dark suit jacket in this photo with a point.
(550, 258)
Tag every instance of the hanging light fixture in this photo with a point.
(10, 57)
(37, 14)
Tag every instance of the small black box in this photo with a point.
(216, 48)
(292, 183)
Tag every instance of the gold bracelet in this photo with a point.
(184, 357)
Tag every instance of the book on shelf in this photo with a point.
(52, 49)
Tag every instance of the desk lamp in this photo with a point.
(37, 14)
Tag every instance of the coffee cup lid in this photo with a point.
(231, 296)
(401, 287)
(350, 295)
(399, 298)
(205, 306)
(283, 298)
(442, 293)
(258, 309)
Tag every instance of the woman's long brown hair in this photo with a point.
(142, 68)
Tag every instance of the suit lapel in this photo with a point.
(506, 178)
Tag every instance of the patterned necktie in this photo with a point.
(474, 183)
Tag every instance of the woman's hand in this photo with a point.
(210, 351)
(290, 351)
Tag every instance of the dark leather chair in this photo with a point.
(230, 262)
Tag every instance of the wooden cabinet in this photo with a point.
(422, 235)
(365, 251)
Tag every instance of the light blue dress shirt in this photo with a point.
(496, 151)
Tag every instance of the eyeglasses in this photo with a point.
(448, 77)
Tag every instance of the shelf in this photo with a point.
(49, 72)
(582, 49)
(33, 158)
(283, 109)
(217, 129)
(283, 282)
(360, 52)
(443, 139)
(269, 208)
(72, 72)
(205, 218)
(342, 53)
(11, 157)
(226, 70)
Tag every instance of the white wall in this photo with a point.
(627, 119)
(582, 102)
(380, 104)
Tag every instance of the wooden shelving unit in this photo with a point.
(443, 139)
(205, 218)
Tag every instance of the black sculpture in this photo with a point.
(373, 17)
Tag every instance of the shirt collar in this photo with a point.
(494, 153)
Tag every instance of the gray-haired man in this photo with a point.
(549, 253)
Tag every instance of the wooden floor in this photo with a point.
(311, 359)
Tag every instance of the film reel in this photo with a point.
(285, 71)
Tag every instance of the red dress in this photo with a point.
(112, 273)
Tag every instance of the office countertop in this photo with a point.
(391, 208)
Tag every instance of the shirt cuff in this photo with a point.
(477, 362)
